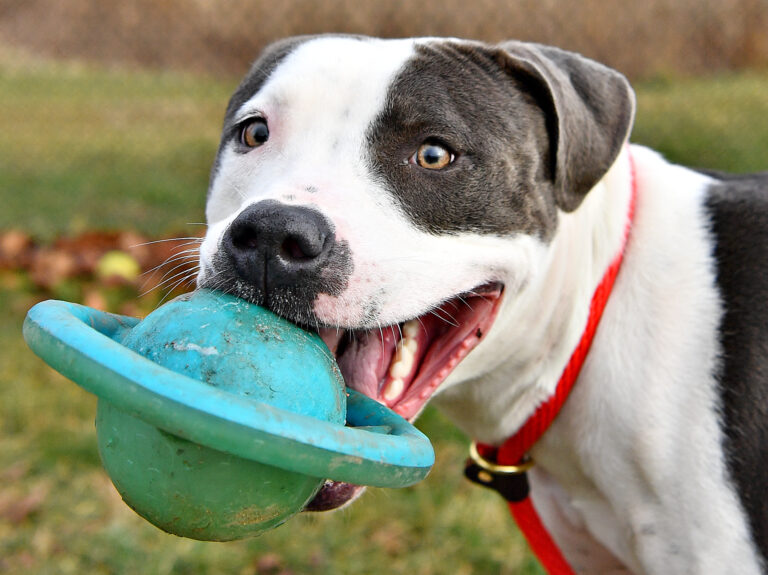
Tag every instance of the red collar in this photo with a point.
(514, 449)
(504, 469)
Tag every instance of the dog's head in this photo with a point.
(388, 193)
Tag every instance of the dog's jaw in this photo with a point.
(402, 365)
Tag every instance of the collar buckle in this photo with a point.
(510, 481)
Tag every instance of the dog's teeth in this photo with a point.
(402, 361)
(411, 329)
(393, 390)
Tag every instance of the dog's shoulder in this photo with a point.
(738, 209)
(737, 206)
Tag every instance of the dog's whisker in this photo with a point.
(451, 321)
(239, 191)
(478, 295)
(185, 265)
(186, 256)
(189, 254)
(465, 302)
(193, 252)
(183, 270)
(181, 262)
(185, 244)
(185, 273)
(193, 239)
(174, 287)
(178, 249)
(166, 287)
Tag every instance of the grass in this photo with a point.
(717, 123)
(84, 148)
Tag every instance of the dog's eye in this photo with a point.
(254, 133)
(433, 156)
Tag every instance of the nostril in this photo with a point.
(291, 250)
(245, 238)
(302, 247)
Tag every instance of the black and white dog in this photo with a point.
(418, 200)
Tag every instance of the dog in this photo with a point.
(441, 211)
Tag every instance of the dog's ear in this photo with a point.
(589, 110)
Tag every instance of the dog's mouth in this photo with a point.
(402, 365)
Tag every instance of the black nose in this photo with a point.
(273, 245)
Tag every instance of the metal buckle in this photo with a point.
(510, 481)
(497, 469)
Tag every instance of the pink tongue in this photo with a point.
(366, 360)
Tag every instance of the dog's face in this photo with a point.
(389, 193)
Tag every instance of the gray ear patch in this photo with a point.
(589, 110)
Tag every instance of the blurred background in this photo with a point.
(109, 120)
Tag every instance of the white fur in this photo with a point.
(634, 461)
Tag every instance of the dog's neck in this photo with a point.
(539, 327)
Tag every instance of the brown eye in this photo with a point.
(254, 133)
(433, 156)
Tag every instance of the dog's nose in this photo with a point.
(273, 245)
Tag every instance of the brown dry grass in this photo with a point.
(642, 39)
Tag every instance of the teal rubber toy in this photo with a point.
(219, 420)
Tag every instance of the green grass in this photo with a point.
(82, 148)
(718, 123)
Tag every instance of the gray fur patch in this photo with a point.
(739, 211)
(590, 111)
(532, 128)
(457, 94)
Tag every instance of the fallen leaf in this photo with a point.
(95, 299)
(15, 507)
(50, 266)
(15, 249)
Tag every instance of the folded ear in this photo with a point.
(588, 108)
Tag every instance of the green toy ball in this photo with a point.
(197, 491)
(217, 419)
